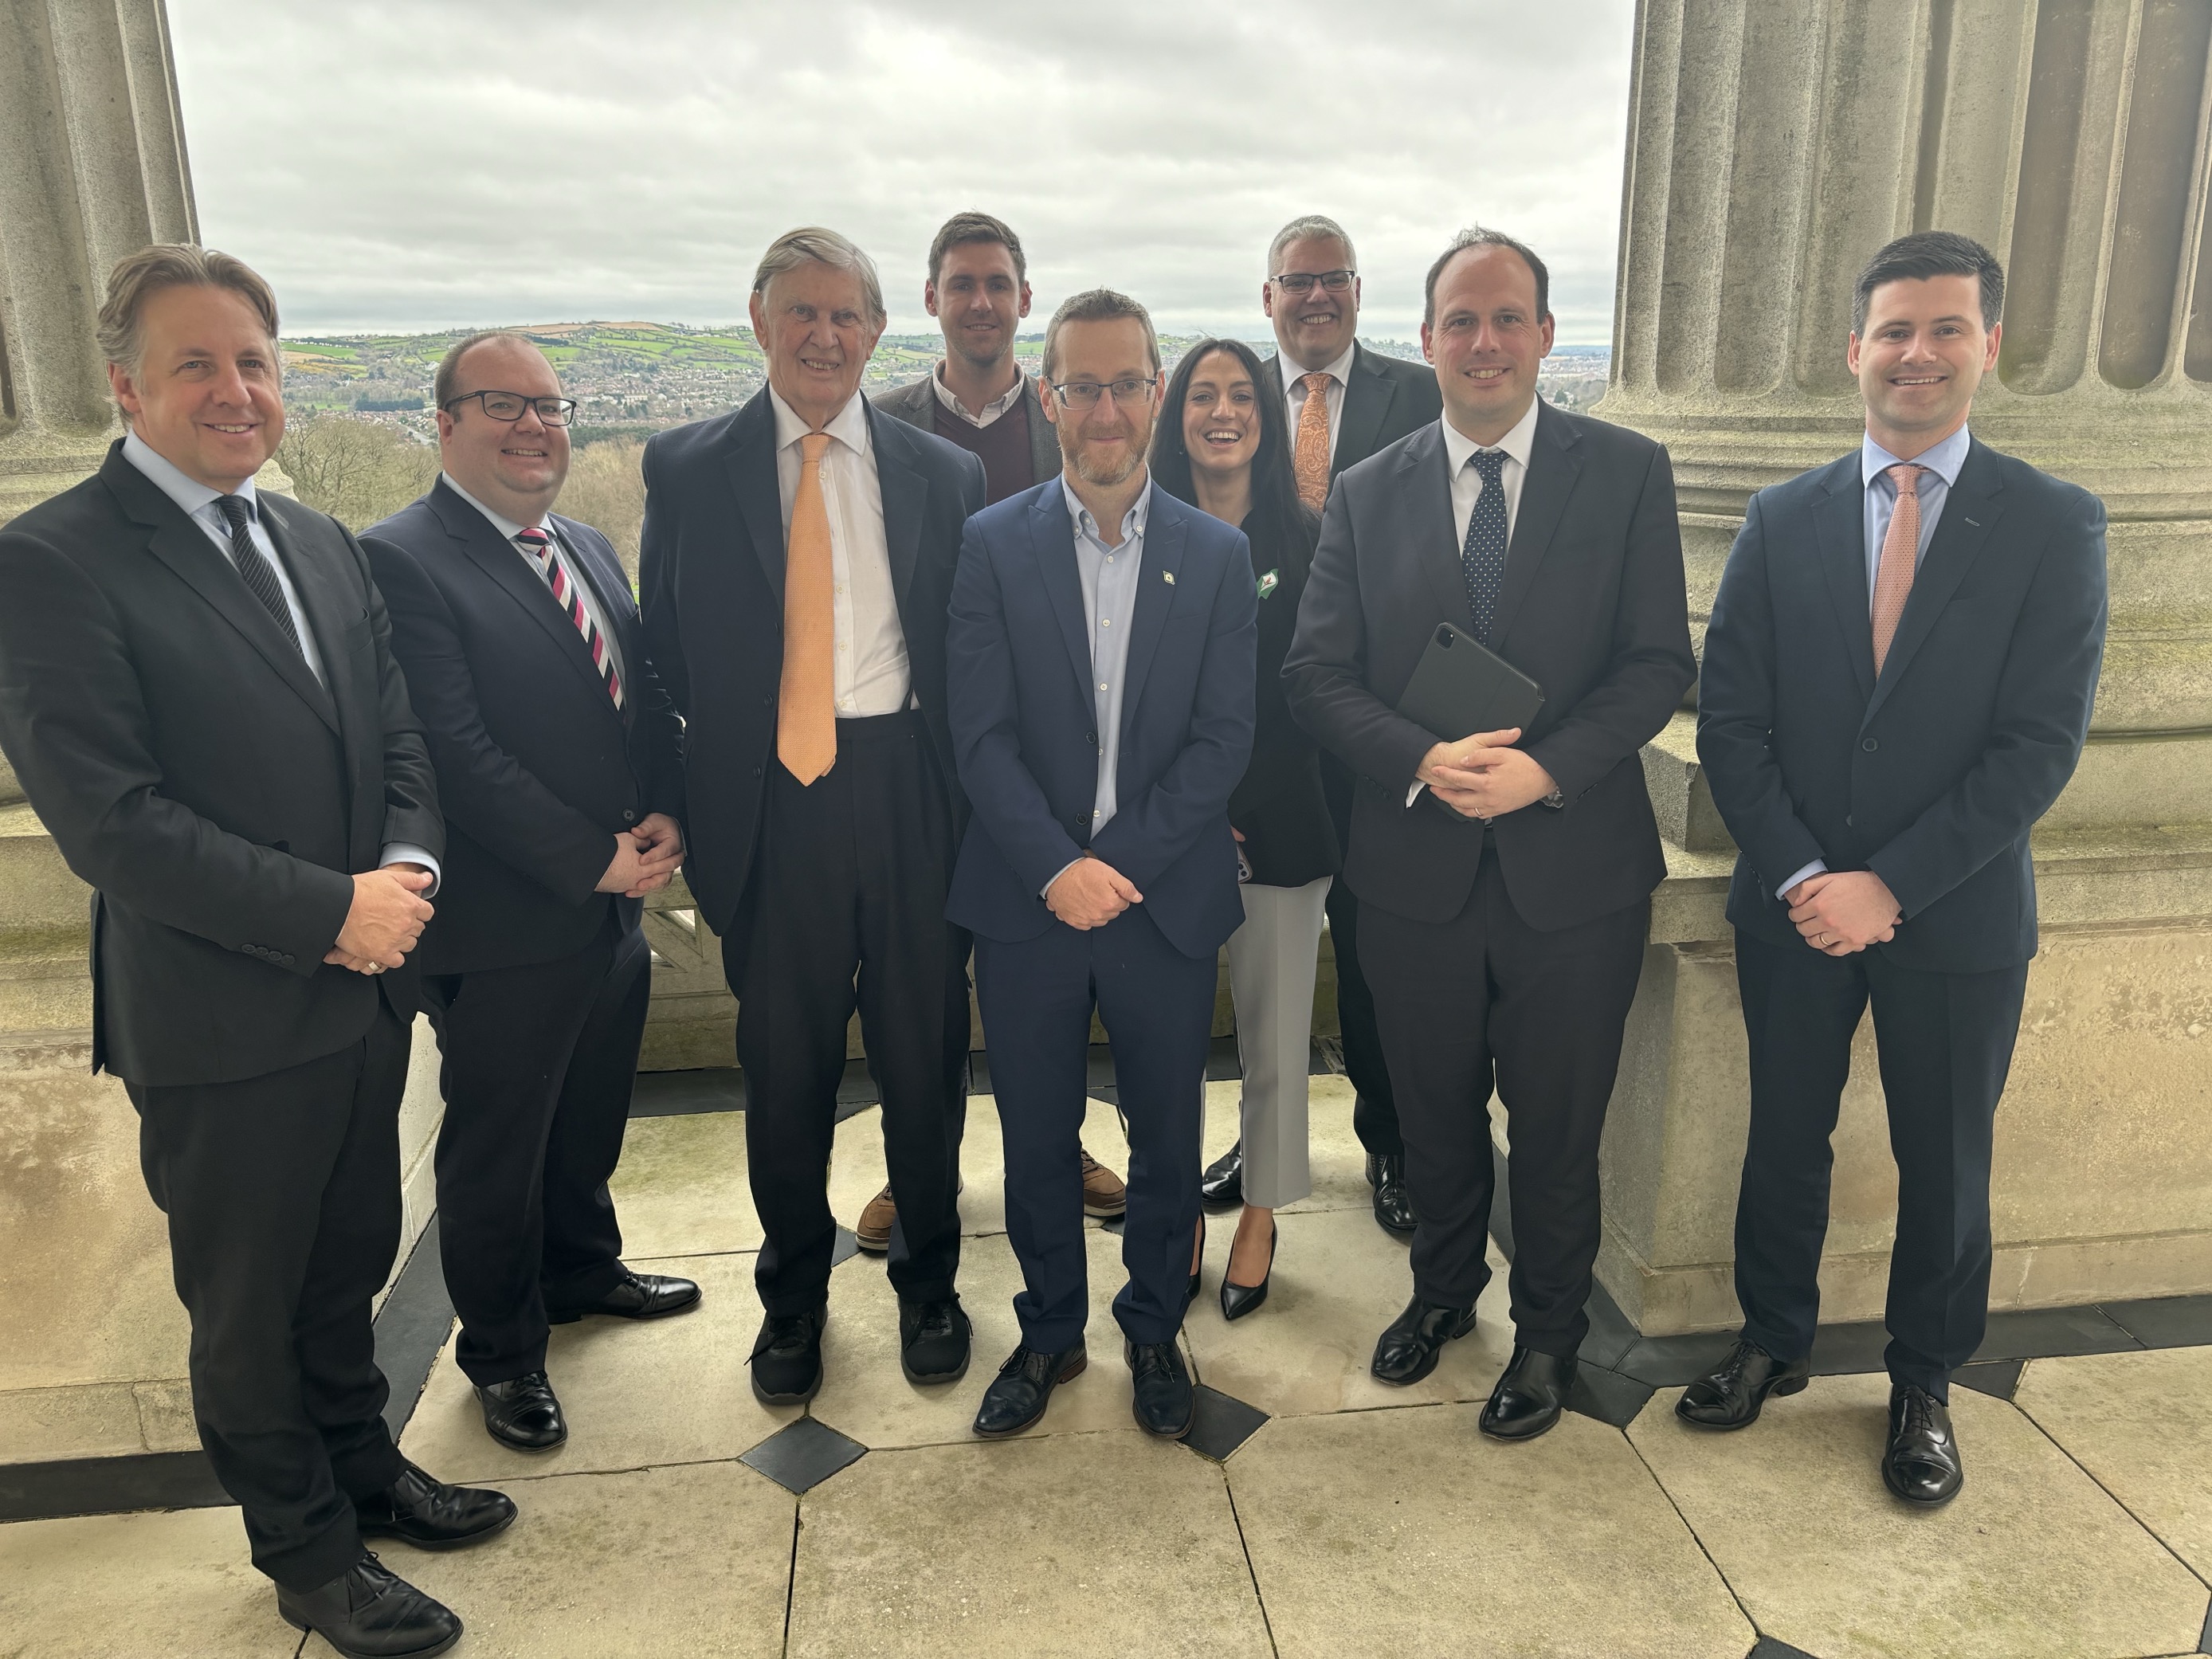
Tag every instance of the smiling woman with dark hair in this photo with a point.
(1222, 445)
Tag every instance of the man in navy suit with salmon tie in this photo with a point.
(1099, 678)
(1896, 684)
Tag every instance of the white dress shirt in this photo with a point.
(509, 529)
(870, 675)
(1294, 391)
(1942, 462)
(992, 411)
(198, 503)
(1466, 487)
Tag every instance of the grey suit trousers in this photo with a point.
(1271, 981)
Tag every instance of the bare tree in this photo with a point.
(357, 471)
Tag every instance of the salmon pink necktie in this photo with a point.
(1900, 552)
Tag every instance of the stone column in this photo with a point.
(1773, 146)
(95, 167)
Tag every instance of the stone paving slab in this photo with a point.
(2141, 1423)
(654, 1562)
(137, 1587)
(2033, 1560)
(1078, 1545)
(1406, 1532)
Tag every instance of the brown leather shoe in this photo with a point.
(1103, 1195)
(874, 1231)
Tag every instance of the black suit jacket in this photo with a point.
(1289, 838)
(191, 769)
(1593, 610)
(712, 582)
(1385, 399)
(1931, 775)
(537, 768)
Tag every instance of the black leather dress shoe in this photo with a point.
(1237, 1300)
(933, 1340)
(523, 1412)
(1023, 1389)
(1394, 1210)
(368, 1612)
(638, 1296)
(420, 1509)
(1161, 1398)
(1530, 1396)
(1730, 1398)
(1921, 1464)
(1407, 1351)
(1223, 1183)
(788, 1357)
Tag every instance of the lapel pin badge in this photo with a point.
(1268, 583)
(1977, 523)
(1167, 576)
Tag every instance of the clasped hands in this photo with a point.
(388, 913)
(1839, 913)
(1484, 776)
(1091, 892)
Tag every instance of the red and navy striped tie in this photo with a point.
(541, 549)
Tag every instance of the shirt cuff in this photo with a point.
(1057, 874)
(1818, 866)
(405, 852)
(1415, 793)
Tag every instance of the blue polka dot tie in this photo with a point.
(1482, 559)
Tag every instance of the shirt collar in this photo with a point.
(507, 528)
(848, 426)
(1518, 443)
(1339, 371)
(991, 411)
(1133, 522)
(187, 492)
(1944, 459)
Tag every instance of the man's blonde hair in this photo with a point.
(138, 277)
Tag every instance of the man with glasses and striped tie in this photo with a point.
(558, 760)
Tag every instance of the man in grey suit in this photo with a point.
(978, 398)
(1367, 402)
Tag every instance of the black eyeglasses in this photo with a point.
(1084, 394)
(1301, 282)
(509, 405)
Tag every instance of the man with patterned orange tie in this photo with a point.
(1367, 403)
(798, 562)
(1897, 684)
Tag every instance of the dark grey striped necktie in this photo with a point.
(259, 574)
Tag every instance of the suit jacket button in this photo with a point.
(629, 816)
(1869, 745)
(1090, 737)
(1850, 823)
(286, 959)
(756, 771)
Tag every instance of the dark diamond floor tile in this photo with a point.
(847, 1246)
(666, 1094)
(1668, 1362)
(803, 1454)
(2048, 1333)
(1768, 1648)
(2205, 1642)
(1611, 1335)
(1220, 1423)
(2165, 1321)
(1607, 1395)
(1999, 1378)
(1113, 1223)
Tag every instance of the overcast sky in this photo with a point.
(417, 164)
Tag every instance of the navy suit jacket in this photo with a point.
(1932, 775)
(1025, 721)
(711, 581)
(537, 768)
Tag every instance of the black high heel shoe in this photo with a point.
(1237, 1300)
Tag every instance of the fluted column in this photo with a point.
(92, 165)
(1775, 144)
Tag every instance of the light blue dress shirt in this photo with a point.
(1941, 463)
(1109, 575)
(198, 503)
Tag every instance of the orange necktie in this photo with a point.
(1311, 460)
(1900, 552)
(806, 706)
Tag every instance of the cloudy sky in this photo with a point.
(431, 163)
